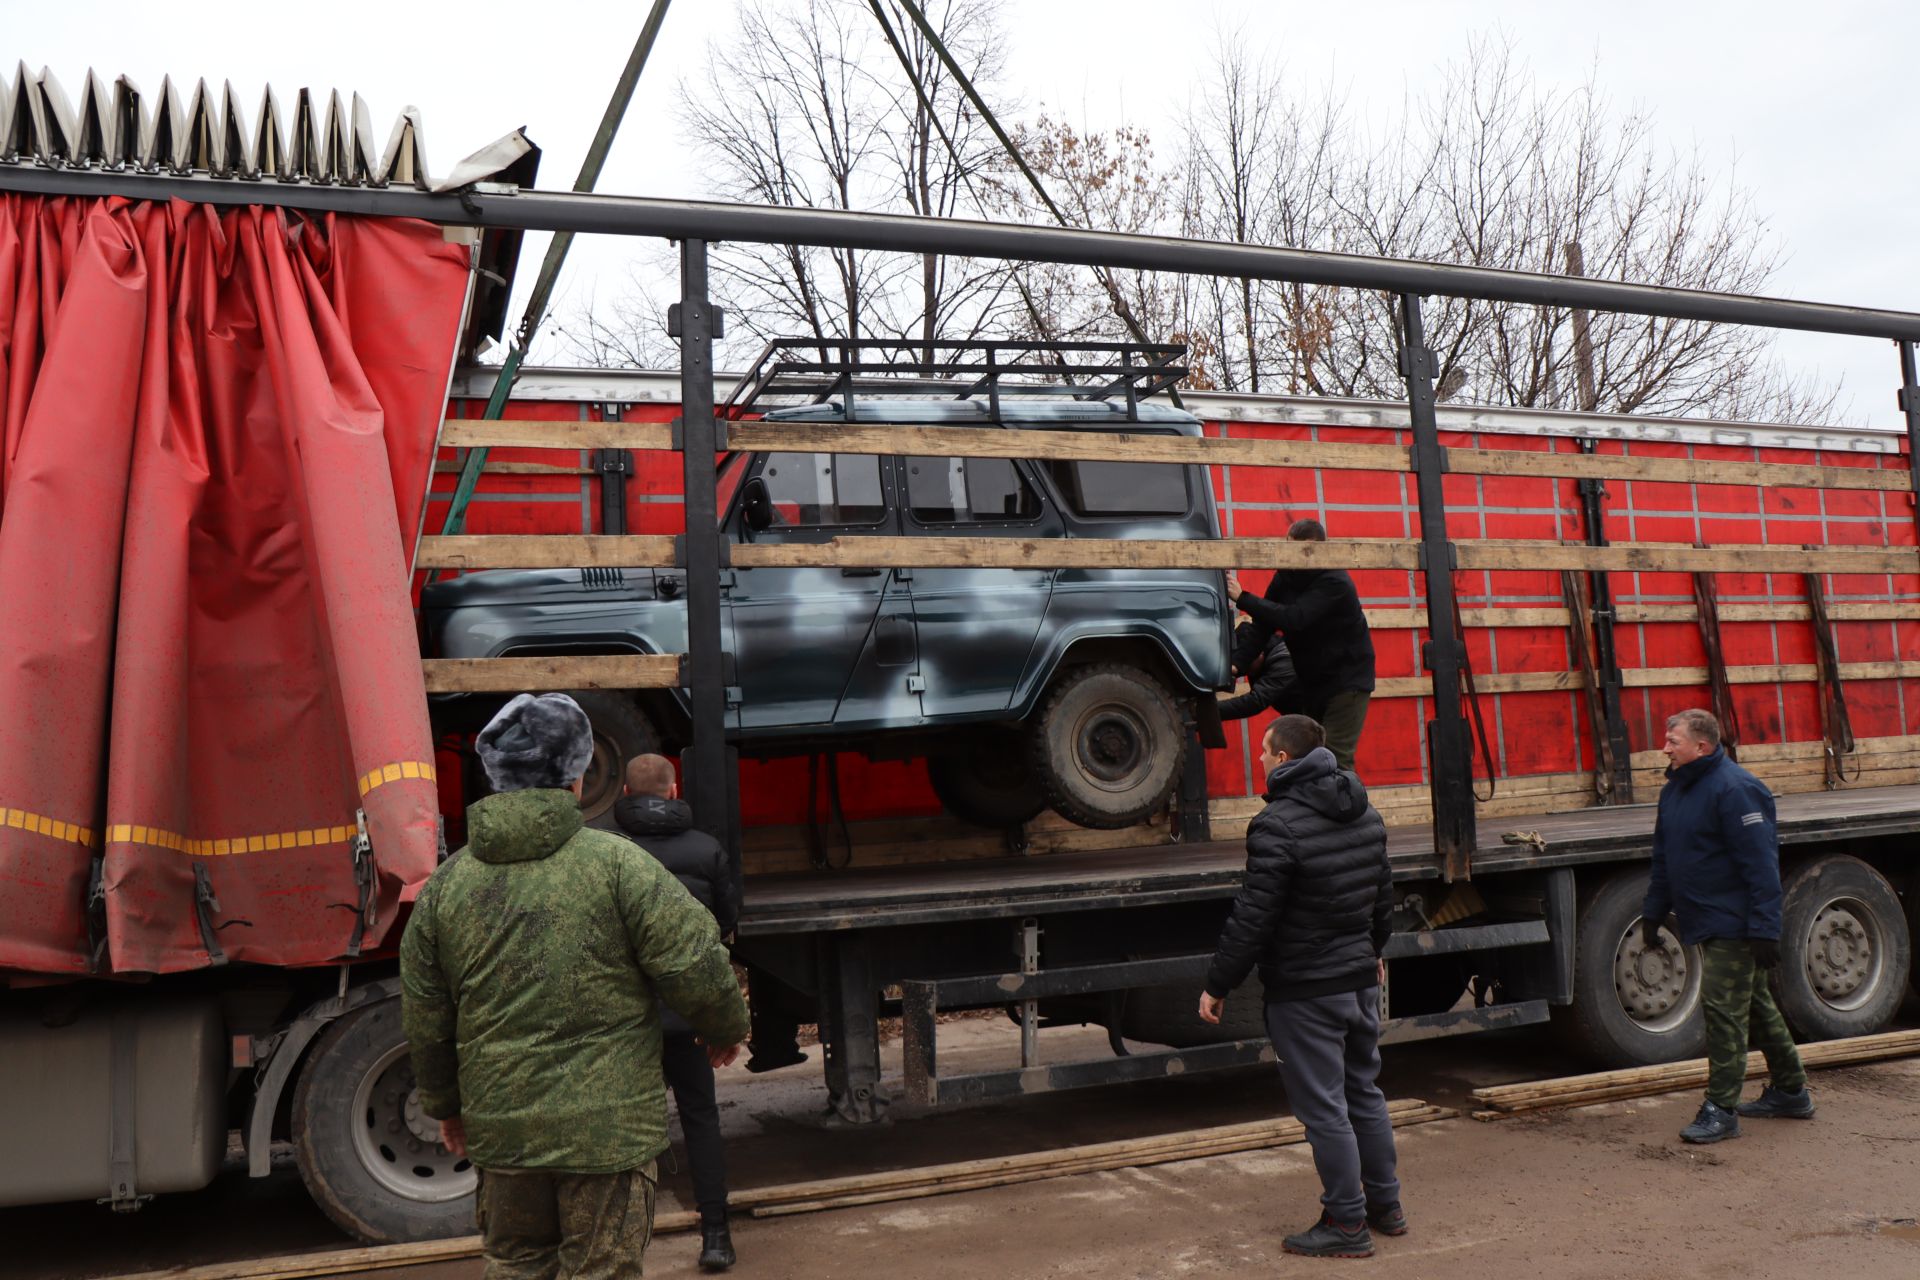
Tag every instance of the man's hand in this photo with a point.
(1766, 952)
(1211, 1007)
(1650, 934)
(453, 1135)
(720, 1055)
(1383, 971)
(1233, 585)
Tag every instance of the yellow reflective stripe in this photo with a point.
(395, 772)
(129, 833)
(41, 824)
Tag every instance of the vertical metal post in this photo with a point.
(1606, 650)
(1449, 754)
(1910, 405)
(702, 555)
(1029, 949)
(850, 1028)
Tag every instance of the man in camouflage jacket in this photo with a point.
(534, 970)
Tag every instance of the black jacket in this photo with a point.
(664, 828)
(1318, 611)
(1316, 906)
(1270, 678)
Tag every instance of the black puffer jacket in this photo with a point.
(1318, 611)
(1315, 908)
(1270, 678)
(664, 828)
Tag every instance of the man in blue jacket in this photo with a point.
(1716, 867)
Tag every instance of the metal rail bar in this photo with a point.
(713, 220)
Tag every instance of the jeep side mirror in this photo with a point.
(756, 505)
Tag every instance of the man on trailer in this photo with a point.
(534, 970)
(1314, 913)
(659, 821)
(1319, 613)
(1269, 671)
(1716, 868)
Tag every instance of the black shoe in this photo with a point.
(716, 1247)
(1387, 1219)
(774, 1059)
(1328, 1239)
(1714, 1124)
(1778, 1104)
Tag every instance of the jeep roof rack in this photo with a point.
(797, 371)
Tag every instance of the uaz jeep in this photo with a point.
(1024, 688)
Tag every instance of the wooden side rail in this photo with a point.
(539, 674)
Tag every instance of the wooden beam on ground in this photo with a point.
(541, 674)
(546, 551)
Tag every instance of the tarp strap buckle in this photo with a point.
(204, 906)
(123, 1049)
(363, 880)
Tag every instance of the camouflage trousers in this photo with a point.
(536, 1224)
(1740, 1012)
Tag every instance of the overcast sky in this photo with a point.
(1812, 103)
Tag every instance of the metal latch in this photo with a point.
(916, 683)
(363, 876)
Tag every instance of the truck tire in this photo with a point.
(988, 782)
(1845, 952)
(1108, 746)
(1170, 1015)
(621, 731)
(370, 1158)
(1632, 1007)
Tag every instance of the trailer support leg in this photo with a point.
(850, 1029)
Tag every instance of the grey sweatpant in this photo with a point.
(1329, 1051)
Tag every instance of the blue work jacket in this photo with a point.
(1716, 855)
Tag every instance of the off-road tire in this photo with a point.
(621, 731)
(1607, 940)
(1845, 951)
(343, 1122)
(989, 782)
(1108, 746)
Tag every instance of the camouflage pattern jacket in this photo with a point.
(533, 972)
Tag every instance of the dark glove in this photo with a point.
(1766, 952)
(1650, 934)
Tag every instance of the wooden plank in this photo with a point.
(1652, 557)
(1757, 752)
(1662, 677)
(556, 433)
(886, 552)
(448, 467)
(546, 551)
(1860, 611)
(900, 439)
(1603, 466)
(527, 675)
(1416, 619)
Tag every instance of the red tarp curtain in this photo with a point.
(215, 435)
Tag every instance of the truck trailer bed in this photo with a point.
(1000, 887)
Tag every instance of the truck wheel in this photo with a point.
(371, 1159)
(1108, 746)
(1632, 1005)
(1845, 950)
(989, 782)
(621, 731)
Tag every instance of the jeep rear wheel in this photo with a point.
(621, 731)
(988, 781)
(1108, 746)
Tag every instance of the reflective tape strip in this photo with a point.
(405, 769)
(53, 828)
(132, 833)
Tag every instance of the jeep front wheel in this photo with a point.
(1108, 746)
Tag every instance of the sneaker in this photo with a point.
(1387, 1219)
(1779, 1104)
(1328, 1239)
(1714, 1124)
(716, 1246)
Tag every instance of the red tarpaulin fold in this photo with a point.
(216, 439)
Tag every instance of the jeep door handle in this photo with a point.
(861, 573)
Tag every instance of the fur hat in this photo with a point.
(537, 740)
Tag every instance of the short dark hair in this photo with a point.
(1295, 735)
(1700, 725)
(1307, 531)
(649, 775)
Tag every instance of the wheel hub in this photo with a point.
(1839, 953)
(399, 1144)
(1656, 985)
(1112, 746)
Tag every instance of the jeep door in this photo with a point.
(976, 626)
(800, 636)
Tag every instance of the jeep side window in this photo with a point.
(819, 489)
(1115, 489)
(967, 491)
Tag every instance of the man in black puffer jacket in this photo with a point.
(1314, 913)
(652, 813)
